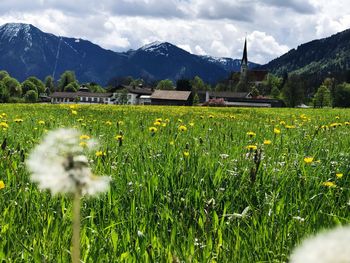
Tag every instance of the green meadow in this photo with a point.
(189, 184)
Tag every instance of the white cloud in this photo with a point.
(215, 28)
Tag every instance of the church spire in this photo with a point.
(245, 56)
(244, 64)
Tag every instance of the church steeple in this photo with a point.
(244, 63)
(245, 56)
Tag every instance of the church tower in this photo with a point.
(244, 63)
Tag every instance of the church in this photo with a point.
(247, 76)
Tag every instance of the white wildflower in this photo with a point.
(325, 247)
(59, 164)
(298, 218)
(244, 214)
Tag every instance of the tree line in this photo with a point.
(11, 90)
(293, 89)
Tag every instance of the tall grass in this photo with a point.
(164, 206)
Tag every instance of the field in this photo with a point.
(188, 184)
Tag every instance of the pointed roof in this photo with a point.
(245, 56)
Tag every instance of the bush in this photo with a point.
(31, 96)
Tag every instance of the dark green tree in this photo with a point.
(71, 87)
(31, 96)
(197, 84)
(4, 93)
(66, 78)
(50, 83)
(322, 97)
(183, 84)
(13, 86)
(165, 84)
(275, 93)
(28, 85)
(342, 95)
(3, 74)
(40, 87)
(293, 90)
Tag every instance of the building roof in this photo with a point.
(171, 95)
(139, 91)
(229, 94)
(72, 95)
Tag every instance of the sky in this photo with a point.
(203, 27)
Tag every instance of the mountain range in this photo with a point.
(323, 57)
(27, 51)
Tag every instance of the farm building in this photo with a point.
(171, 97)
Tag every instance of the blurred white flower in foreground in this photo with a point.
(326, 247)
(59, 164)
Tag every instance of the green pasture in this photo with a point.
(178, 194)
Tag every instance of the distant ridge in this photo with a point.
(27, 51)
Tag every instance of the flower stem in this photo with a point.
(76, 228)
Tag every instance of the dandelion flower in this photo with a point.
(41, 122)
(100, 154)
(59, 164)
(119, 137)
(153, 129)
(251, 134)
(329, 184)
(84, 137)
(267, 142)
(252, 147)
(339, 175)
(325, 247)
(186, 153)
(308, 160)
(276, 131)
(182, 128)
(4, 125)
(2, 184)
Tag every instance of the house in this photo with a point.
(237, 99)
(133, 95)
(82, 97)
(171, 97)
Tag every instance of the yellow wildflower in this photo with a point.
(4, 125)
(119, 137)
(251, 134)
(329, 184)
(252, 147)
(74, 112)
(159, 120)
(108, 123)
(41, 122)
(308, 160)
(182, 128)
(2, 184)
(17, 120)
(84, 137)
(290, 126)
(191, 124)
(339, 175)
(100, 153)
(267, 142)
(276, 131)
(164, 124)
(153, 129)
(157, 123)
(186, 153)
(83, 144)
(172, 143)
